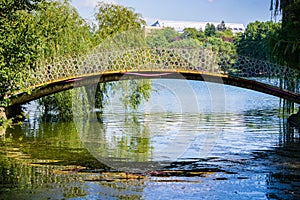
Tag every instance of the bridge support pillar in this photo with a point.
(294, 119)
(15, 112)
(10, 114)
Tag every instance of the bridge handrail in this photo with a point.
(195, 59)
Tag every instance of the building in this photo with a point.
(179, 26)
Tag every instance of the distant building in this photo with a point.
(179, 26)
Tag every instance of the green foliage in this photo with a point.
(140, 93)
(99, 96)
(162, 37)
(286, 43)
(170, 34)
(114, 19)
(120, 28)
(123, 40)
(157, 39)
(226, 34)
(255, 41)
(7, 7)
(218, 45)
(36, 30)
(61, 30)
(18, 44)
(286, 49)
(225, 51)
(57, 106)
(169, 38)
(192, 33)
(210, 30)
(185, 43)
(4, 122)
(134, 92)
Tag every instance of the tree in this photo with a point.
(218, 46)
(221, 27)
(157, 38)
(289, 9)
(112, 19)
(9, 7)
(185, 43)
(255, 41)
(61, 32)
(286, 44)
(192, 33)
(32, 30)
(210, 30)
(18, 43)
(120, 28)
(162, 37)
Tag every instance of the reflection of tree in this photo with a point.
(118, 140)
(51, 141)
(264, 119)
(39, 155)
(134, 93)
(283, 180)
(281, 162)
(131, 140)
(137, 140)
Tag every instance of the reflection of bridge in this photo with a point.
(64, 73)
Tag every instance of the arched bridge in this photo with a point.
(62, 73)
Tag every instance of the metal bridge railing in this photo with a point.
(163, 59)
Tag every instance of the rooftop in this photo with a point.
(179, 26)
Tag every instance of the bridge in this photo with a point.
(104, 65)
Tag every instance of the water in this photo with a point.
(190, 141)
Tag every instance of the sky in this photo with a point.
(231, 11)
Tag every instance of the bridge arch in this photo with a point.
(63, 84)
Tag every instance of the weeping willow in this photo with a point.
(286, 45)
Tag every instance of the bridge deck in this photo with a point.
(62, 84)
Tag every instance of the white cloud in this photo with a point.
(210, 1)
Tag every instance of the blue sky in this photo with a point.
(235, 11)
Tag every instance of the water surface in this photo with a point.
(192, 141)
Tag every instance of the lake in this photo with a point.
(191, 140)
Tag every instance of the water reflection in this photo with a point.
(253, 154)
(166, 129)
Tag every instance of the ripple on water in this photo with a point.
(241, 151)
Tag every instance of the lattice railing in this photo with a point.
(205, 60)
